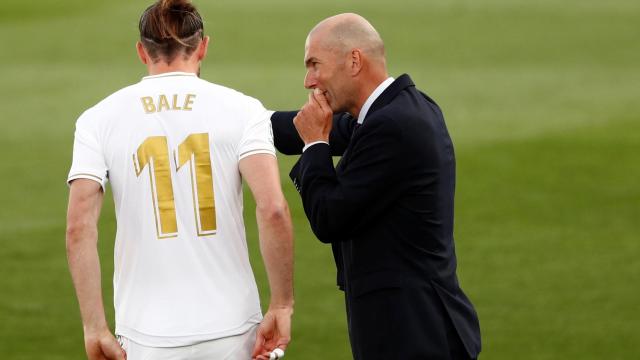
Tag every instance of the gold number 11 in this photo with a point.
(194, 150)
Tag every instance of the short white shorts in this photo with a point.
(237, 347)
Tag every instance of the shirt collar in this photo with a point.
(168, 74)
(374, 95)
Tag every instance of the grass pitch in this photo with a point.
(541, 99)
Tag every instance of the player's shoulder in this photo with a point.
(118, 96)
(103, 108)
(229, 96)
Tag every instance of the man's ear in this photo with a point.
(202, 48)
(356, 61)
(142, 53)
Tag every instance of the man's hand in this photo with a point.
(273, 332)
(102, 345)
(314, 120)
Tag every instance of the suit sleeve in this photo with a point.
(288, 142)
(285, 136)
(339, 205)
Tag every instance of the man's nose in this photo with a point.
(309, 81)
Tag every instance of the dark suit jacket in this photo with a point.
(387, 211)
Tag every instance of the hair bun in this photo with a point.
(175, 4)
(170, 25)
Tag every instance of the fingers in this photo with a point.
(318, 103)
(325, 111)
(115, 354)
(283, 343)
(258, 348)
(94, 353)
(274, 332)
(314, 120)
(112, 350)
(321, 100)
(264, 338)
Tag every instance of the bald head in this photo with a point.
(345, 32)
(344, 57)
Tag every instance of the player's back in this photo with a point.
(170, 146)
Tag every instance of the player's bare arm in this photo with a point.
(85, 202)
(276, 244)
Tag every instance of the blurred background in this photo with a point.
(542, 100)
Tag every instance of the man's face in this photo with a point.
(327, 71)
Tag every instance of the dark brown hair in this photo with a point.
(169, 27)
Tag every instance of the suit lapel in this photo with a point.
(401, 83)
(385, 98)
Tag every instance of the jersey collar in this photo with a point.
(169, 74)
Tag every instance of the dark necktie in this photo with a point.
(355, 128)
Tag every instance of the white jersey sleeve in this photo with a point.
(88, 159)
(258, 135)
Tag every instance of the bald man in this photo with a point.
(387, 207)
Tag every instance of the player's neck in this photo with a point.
(178, 65)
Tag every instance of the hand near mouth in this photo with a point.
(314, 120)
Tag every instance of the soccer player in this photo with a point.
(175, 149)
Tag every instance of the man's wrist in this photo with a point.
(308, 145)
(281, 302)
(97, 327)
(284, 308)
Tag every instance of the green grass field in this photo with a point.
(542, 100)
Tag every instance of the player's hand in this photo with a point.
(313, 122)
(102, 345)
(273, 332)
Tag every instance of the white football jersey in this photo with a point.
(170, 146)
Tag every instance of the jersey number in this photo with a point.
(194, 150)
